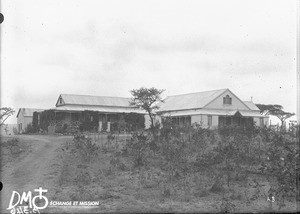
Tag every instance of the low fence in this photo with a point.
(110, 141)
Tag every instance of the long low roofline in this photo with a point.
(99, 108)
(244, 113)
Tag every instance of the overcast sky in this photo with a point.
(110, 47)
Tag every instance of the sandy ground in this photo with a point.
(31, 170)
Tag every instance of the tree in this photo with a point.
(282, 115)
(275, 110)
(5, 113)
(147, 99)
(268, 109)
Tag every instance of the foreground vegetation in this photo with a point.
(12, 149)
(184, 169)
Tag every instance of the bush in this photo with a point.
(85, 147)
(46, 118)
(14, 146)
(15, 131)
(128, 122)
(134, 121)
(35, 121)
(194, 162)
(29, 129)
(88, 124)
(282, 165)
(117, 163)
(138, 148)
(231, 154)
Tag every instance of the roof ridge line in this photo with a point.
(223, 89)
(95, 96)
(28, 108)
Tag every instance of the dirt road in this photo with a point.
(32, 170)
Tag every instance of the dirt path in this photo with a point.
(32, 171)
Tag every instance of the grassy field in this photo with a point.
(112, 178)
(100, 169)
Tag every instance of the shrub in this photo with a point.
(134, 121)
(46, 117)
(35, 121)
(121, 124)
(89, 121)
(281, 165)
(14, 146)
(85, 147)
(15, 131)
(138, 148)
(83, 178)
(227, 206)
(128, 122)
(226, 156)
(29, 129)
(117, 163)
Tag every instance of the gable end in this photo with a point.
(227, 91)
(60, 101)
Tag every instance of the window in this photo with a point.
(227, 100)
(60, 101)
(209, 120)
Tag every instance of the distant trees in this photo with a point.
(275, 110)
(268, 109)
(5, 113)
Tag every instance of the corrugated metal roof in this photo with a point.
(28, 112)
(98, 108)
(95, 100)
(200, 111)
(190, 101)
(251, 105)
(212, 112)
(251, 114)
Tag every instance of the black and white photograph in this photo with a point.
(149, 106)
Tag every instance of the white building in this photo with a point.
(24, 118)
(212, 109)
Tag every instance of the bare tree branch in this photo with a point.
(5, 113)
